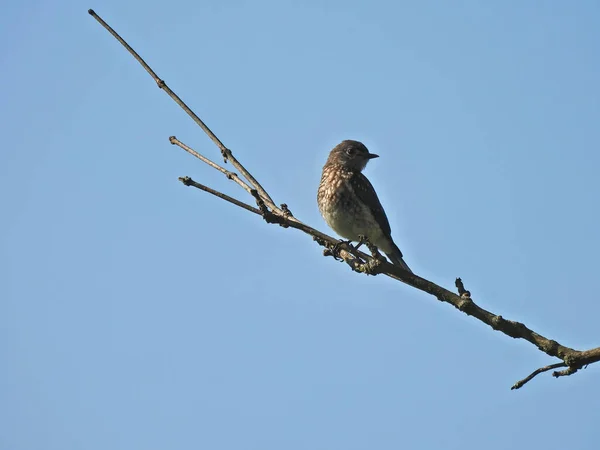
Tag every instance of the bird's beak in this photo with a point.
(372, 155)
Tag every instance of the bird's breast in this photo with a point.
(343, 210)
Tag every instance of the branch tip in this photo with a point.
(565, 373)
(186, 180)
(519, 384)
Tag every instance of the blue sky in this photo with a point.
(141, 314)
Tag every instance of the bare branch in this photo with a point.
(227, 173)
(189, 182)
(519, 384)
(227, 154)
(565, 373)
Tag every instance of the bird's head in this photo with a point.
(352, 155)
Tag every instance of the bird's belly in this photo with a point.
(353, 222)
(344, 224)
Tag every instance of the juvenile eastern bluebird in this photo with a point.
(348, 202)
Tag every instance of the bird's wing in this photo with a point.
(365, 192)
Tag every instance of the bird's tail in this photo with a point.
(395, 257)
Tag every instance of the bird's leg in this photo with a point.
(372, 248)
(362, 239)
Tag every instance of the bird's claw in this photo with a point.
(335, 250)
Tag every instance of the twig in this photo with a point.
(227, 154)
(227, 173)
(189, 182)
(565, 373)
(519, 384)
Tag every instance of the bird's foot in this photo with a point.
(335, 250)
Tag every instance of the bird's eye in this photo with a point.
(350, 151)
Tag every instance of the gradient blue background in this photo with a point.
(137, 313)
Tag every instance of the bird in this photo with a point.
(349, 204)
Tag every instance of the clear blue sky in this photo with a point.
(137, 313)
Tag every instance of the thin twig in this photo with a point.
(519, 384)
(189, 182)
(227, 173)
(565, 373)
(162, 85)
